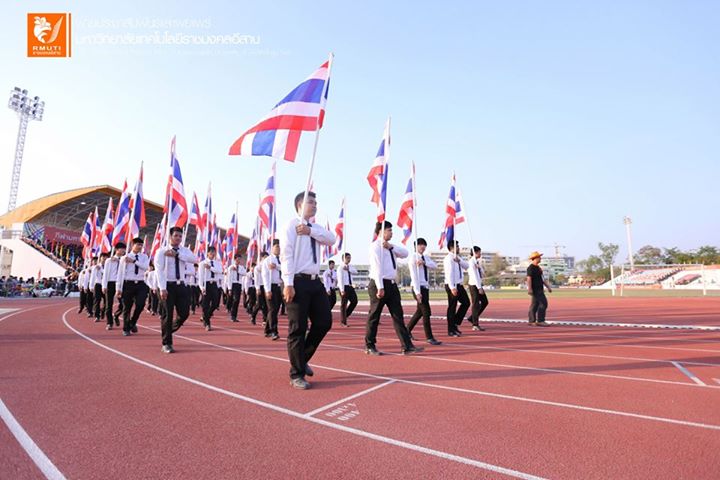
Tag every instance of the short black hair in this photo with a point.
(104, 254)
(120, 245)
(453, 243)
(386, 226)
(276, 242)
(299, 198)
(137, 240)
(237, 255)
(346, 254)
(421, 241)
(175, 229)
(476, 249)
(331, 261)
(211, 249)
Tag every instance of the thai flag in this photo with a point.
(87, 232)
(266, 210)
(158, 237)
(302, 110)
(97, 234)
(407, 208)
(137, 207)
(230, 237)
(441, 242)
(122, 216)
(175, 203)
(107, 229)
(377, 178)
(340, 227)
(454, 213)
(252, 247)
(214, 239)
(195, 217)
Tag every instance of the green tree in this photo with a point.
(608, 252)
(707, 255)
(649, 255)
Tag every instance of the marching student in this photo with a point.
(96, 276)
(330, 282)
(89, 288)
(131, 285)
(171, 263)
(454, 265)
(210, 272)
(81, 287)
(271, 286)
(109, 286)
(250, 292)
(153, 300)
(478, 298)
(260, 300)
(304, 292)
(348, 297)
(383, 290)
(236, 275)
(419, 265)
(191, 284)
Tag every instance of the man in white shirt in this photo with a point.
(131, 285)
(383, 290)
(170, 265)
(271, 286)
(96, 285)
(304, 292)
(81, 287)
(191, 284)
(260, 300)
(478, 299)
(250, 291)
(236, 277)
(89, 288)
(348, 297)
(330, 283)
(419, 264)
(210, 271)
(109, 286)
(153, 300)
(454, 265)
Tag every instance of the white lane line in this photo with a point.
(3, 311)
(19, 311)
(38, 456)
(351, 397)
(302, 416)
(458, 389)
(689, 374)
(717, 380)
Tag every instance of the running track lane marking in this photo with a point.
(449, 388)
(19, 311)
(689, 374)
(351, 397)
(302, 416)
(41, 460)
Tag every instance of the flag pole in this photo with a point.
(132, 212)
(381, 233)
(312, 162)
(454, 239)
(237, 234)
(414, 219)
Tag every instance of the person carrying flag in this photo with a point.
(131, 285)
(478, 298)
(271, 287)
(210, 271)
(236, 276)
(260, 300)
(330, 283)
(109, 286)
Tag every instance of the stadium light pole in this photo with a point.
(628, 221)
(28, 108)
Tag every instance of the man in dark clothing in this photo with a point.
(535, 284)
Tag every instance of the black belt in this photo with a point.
(307, 276)
(389, 281)
(179, 282)
(133, 281)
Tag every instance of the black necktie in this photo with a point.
(212, 265)
(312, 245)
(392, 258)
(237, 274)
(137, 269)
(277, 257)
(424, 266)
(177, 264)
(349, 276)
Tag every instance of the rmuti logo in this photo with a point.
(48, 34)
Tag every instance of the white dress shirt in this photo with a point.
(237, 274)
(270, 275)
(211, 274)
(475, 272)
(96, 275)
(81, 279)
(110, 271)
(344, 276)
(329, 279)
(454, 270)
(127, 270)
(305, 260)
(386, 271)
(418, 276)
(249, 281)
(190, 275)
(86, 278)
(165, 266)
(151, 279)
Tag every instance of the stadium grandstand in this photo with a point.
(666, 277)
(42, 237)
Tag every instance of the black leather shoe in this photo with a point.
(126, 333)
(541, 324)
(478, 328)
(117, 321)
(299, 383)
(372, 351)
(108, 326)
(309, 371)
(208, 328)
(97, 319)
(432, 341)
(412, 350)
(274, 336)
(133, 329)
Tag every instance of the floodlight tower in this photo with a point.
(628, 221)
(28, 108)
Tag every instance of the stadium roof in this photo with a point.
(69, 210)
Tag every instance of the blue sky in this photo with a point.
(559, 118)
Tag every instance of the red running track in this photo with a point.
(514, 401)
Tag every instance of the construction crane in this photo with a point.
(555, 246)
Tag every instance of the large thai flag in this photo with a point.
(302, 110)
(107, 229)
(158, 238)
(175, 204)
(195, 216)
(137, 207)
(122, 216)
(377, 178)
(97, 234)
(454, 213)
(266, 210)
(230, 238)
(87, 232)
(407, 208)
(340, 227)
